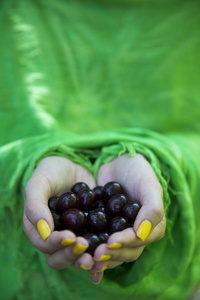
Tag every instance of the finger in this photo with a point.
(151, 212)
(104, 254)
(96, 276)
(141, 183)
(128, 238)
(84, 262)
(56, 241)
(50, 178)
(37, 193)
(67, 255)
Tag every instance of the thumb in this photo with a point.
(150, 221)
(37, 192)
(53, 176)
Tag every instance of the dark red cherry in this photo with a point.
(115, 204)
(130, 211)
(111, 188)
(66, 201)
(86, 213)
(93, 241)
(103, 237)
(96, 221)
(79, 186)
(57, 220)
(118, 224)
(100, 204)
(86, 199)
(52, 203)
(74, 219)
(98, 192)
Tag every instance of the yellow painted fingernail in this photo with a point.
(115, 246)
(43, 229)
(103, 257)
(78, 248)
(93, 275)
(66, 242)
(85, 268)
(103, 269)
(144, 230)
(96, 282)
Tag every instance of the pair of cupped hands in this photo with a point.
(55, 175)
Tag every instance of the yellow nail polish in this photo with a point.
(66, 242)
(115, 246)
(144, 230)
(93, 275)
(97, 282)
(78, 249)
(43, 229)
(85, 268)
(103, 269)
(103, 257)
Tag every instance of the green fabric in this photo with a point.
(91, 80)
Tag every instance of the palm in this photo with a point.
(130, 172)
(140, 183)
(52, 177)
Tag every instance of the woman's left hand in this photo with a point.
(140, 183)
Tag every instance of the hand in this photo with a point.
(53, 176)
(137, 177)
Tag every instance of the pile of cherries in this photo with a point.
(93, 213)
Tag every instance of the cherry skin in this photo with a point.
(96, 221)
(79, 186)
(66, 201)
(52, 203)
(118, 224)
(130, 211)
(74, 219)
(98, 190)
(100, 204)
(93, 213)
(57, 221)
(86, 199)
(115, 204)
(110, 189)
(93, 241)
(103, 237)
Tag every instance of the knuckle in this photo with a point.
(29, 210)
(162, 228)
(160, 189)
(158, 213)
(50, 262)
(135, 255)
(54, 264)
(27, 187)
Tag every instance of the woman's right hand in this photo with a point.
(53, 176)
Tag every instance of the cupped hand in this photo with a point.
(53, 176)
(140, 183)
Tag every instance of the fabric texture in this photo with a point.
(91, 80)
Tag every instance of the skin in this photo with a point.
(55, 175)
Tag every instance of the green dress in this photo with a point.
(91, 80)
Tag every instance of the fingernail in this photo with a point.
(66, 242)
(115, 246)
(103, 269)
(78, 248)
(93, 275)
(43, 229)
(97, 282)
(144, 230)
(85, 268)
(103, 257)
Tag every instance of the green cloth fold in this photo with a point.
(151, 275)
(89, 81)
